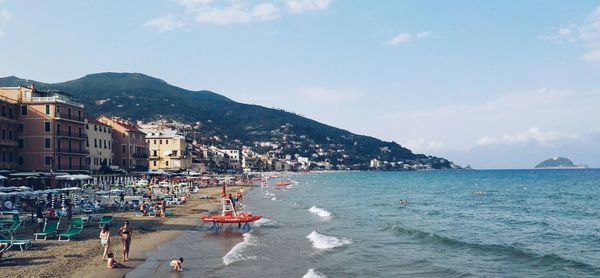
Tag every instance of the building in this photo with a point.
(130, 151)
(99, 144)
(51, 131)
(167, 149)
(9, 125)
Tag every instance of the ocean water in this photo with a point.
(543, 223)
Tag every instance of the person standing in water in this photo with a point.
(105, 240)
(126, 234)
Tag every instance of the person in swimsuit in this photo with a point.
(105, 240)
(126, 235)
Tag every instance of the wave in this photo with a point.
(269, 195)
(320, 212)
(265, 222)
(553, 261)
(322, 242)
(235, 254)
(312, 273)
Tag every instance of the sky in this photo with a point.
(491, 84)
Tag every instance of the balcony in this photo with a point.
(9, 143)
(57, 98)
(140, 155)
(72, 152)
(66, 135)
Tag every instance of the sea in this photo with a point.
(522, 223)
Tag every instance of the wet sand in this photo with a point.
(82, 256)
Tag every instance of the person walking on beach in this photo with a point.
(39, 218)
(176, 265)
(105, 240)
(126, 235)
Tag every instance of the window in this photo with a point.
(3, 134)
(10, 113)
(174, 153)
(95, 128)
(160, 142)
(3, 111)
(20, 161)
(10, 156)
(79, 129)
(3, 156)
(46, 143)
(48, 160)
(167, 163)
(57, 129)
(69, 114)
(69, 131)
(24, 110)
(58, 111)
(21, 128)
(46, 126)
(109, 144)
(10, 135)
(166, 141)
(95, 143)
(154, 141)
(47, 109)
(124, 149)
(20, 142)
(70, 163)
(154, 162)
(79, 117)
(104, 144)
(124, 162)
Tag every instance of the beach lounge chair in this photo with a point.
(73, 231)
(12, 229)
(106, 219)
(77, 222)
(22, 243)
(49, 230)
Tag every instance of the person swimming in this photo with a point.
(403, 202)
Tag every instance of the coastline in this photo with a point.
(81, 257)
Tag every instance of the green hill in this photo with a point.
(140, 97)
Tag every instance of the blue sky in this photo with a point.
(494, 84)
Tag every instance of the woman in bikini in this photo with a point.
(126, 235)
(104, 240)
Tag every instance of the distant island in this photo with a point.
(559, 163)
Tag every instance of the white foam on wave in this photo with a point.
(235, 254)
(269, 195)
(320, 212)
(321, 241)
(265, 222)
(274, 199)
(312, 273)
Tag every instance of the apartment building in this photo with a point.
(130, 150)
(99, 143)
(51, 131)
(167, 149)
(8, 134)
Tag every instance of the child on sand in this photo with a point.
(111, 263)
(176, 265)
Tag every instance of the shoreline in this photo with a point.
(81, 257)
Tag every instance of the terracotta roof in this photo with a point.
(128, 127)
(96, 122)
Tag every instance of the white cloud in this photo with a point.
(231, 12)
(265, 11)
(532, 135)
(403, 38)
(422, 145)
(164, 24)
(300, 6)
(4, 19)
(586, 32)
(321, 94)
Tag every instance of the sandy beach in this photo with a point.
(82, 256)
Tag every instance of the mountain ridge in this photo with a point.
(142, 97)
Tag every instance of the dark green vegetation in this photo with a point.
(141, 97)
